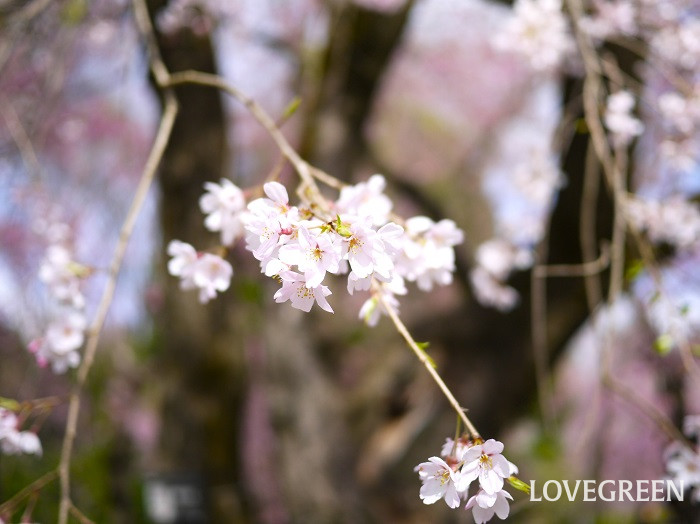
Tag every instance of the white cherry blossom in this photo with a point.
(59, 346)
(538, 31)
(491, 292)
(439, 481)
(12, 440)
(210, 274)
(619, 120)
(484, 505)
(58, 272)
(683, 466)
(428, 255)
(366, 200)
(366, 251)
(223, 204)
(485, 462)
(206, 272)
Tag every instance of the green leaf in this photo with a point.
(291, 108)
(634, 269)
(423, 346)
(663, 344)
(581, 126)
(74, 11)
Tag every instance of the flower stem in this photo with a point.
(425, 360)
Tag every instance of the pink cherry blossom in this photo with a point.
(301, 296)
(314, 255)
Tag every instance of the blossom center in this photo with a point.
(444, 476)
(355, 244)
(486, 462)
(305, 292)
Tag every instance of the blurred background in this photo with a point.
(244, 410)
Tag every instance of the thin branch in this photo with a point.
(420, 354)
(649, 410)
(8, 506)
(587, 227)
(586, 269)
(538, 315)
(167, 121)
(80, 515)
(20, 138)
(302, 168)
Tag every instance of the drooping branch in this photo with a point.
(165, 127)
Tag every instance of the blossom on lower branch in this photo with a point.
(60, 344)
(12, 440)
(463, 462)
(484, 505)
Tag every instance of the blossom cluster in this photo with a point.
(300, 246)
(62, 276)
(675, 220)
(683, 462)
(12, 440)
(461, 463)
(538, 31)
(534, 182)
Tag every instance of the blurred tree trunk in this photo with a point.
(362, 44)
(199, 359)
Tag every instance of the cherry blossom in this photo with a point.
(683, 466)
(269, 221)
(294, 288)
(60, 274)
(485, 462)
(484, 505)
(184, 257)
(313, 255)
(204, 271)
(439, 481)
(499, 257)
(59, 346)
(673, 220)
(428, 255)
(366, 200)
(366, 251)
(452, 449)
(373, 308)
(13, 441)
(619, 120)
(491, 292)
(210, 274)
(691, 426)
(537, 31)
(223, 204)
(612, 18)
